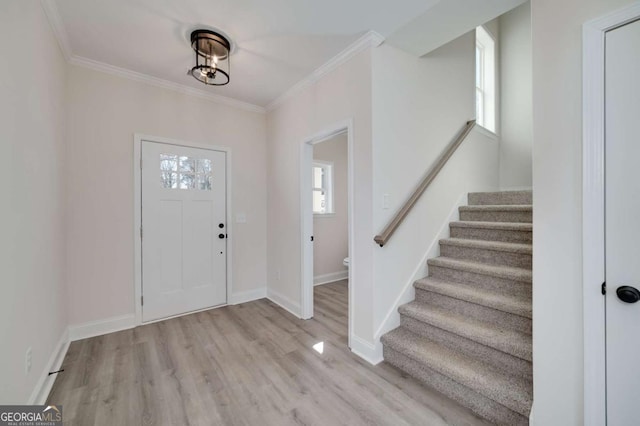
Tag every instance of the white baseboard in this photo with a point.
(247, 296)
(45, 382)
(370, 352)
(330, 277)
(100, 327)
(285, 303)
(392, 319)
(70, 334)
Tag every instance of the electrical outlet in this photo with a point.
(27, 361)
(385, 201)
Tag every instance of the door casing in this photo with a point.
(137, 215)
(593, 205)
(306, 216)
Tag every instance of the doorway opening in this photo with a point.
(327, 226)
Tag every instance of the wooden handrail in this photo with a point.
(391, 227)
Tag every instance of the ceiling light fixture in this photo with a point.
(212, 57)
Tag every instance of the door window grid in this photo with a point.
(183, 172)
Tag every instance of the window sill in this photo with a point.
(486, 132)
(323, 215)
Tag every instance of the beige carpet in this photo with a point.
(467, 334)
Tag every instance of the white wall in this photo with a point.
(419, 105)
(445, 21)
(105, 111)
(301, 116)
(331, 232)
(32, 218)
(516, 136)
(557, 216)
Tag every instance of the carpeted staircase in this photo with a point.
(467, 334)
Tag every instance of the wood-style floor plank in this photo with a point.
(250, 364)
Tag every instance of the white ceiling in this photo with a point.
(278, 42)
(445, 21)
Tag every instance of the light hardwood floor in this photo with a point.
(249, 364)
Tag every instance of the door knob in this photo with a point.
(628, 294)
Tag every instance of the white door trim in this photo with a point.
(137, 215)
(306, 217)
(593, 204)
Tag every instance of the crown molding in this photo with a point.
(164, 84)
(368, 40)
(57, 26)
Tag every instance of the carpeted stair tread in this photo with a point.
(497, 213)
(513, 254)
(496, 413)
(498, 208)
(503, 226)
(506, 272)
(508, 341)
(473, 294)
(488, 245)
(503, 197)
(513, 393)
(509, 232)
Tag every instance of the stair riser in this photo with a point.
(500, 198)
(481, 405)
(502, 319)
(487, 282)
(496, 216)
(494, 357)
(501, 235)
(489, 257)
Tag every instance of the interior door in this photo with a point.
(184, 245)
(622, 223)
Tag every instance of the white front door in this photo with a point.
(184, 246)
(622, 223)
